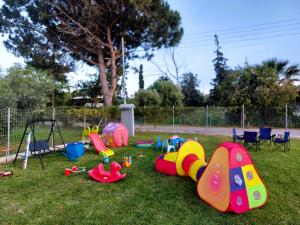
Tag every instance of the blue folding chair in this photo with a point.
(265, 134)
(235, 137)
(282, 142)
(251, 141)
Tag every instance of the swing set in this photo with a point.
(38, 148)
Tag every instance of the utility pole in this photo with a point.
(124, 72)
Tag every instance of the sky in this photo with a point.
(255, 30)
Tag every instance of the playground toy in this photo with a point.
(6, 173)
(98, 144)
(164, 145)
(144, 143)
(228, 182)
(99, 174)
(169, 145)
(127, 161)
(38, 147)
(115, 135)
(176, 141)
(74, 151)
(85, 134)
(74, 169)
(87, 131)
(106, 159)
(141, 155)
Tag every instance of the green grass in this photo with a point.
(36, 196)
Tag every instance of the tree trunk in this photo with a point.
(107, 92)
(107, 99)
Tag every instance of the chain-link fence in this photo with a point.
(193, 116)
(71, 121)
(276, 117)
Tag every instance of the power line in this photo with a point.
(233, 38)
(243, 27)
(246, 32)
(237, 37)
(243, 40)
(211, 49)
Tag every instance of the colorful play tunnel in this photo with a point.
(228, 182)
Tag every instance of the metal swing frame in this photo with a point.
(36, 150)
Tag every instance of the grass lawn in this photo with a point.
(38, 196)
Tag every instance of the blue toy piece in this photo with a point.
(159, 144)
(106, 159)
(176, 142)
(168, 148)
(74, 151)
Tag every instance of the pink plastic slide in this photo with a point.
(98, 144)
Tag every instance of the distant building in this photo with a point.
(87, 101)
(298, 96)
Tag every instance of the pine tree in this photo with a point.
(190, 91)
(141, 77)
(221, 71)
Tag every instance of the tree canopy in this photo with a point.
(147, 98)
(260, 86)
(170, 94)
(189, 88)
(89, 31)
(24, 88)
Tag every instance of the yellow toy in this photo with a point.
(127, 161)
(87, 131)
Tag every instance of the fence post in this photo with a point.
(144, 115)
(84, 118)
(173, 111)
(243, 116)
(241, 121)
(8, 136)
(206, 123)
(286, 117)
(53, 118)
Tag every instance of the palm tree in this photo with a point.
(286, 73)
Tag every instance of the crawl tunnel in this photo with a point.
(228, 182)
